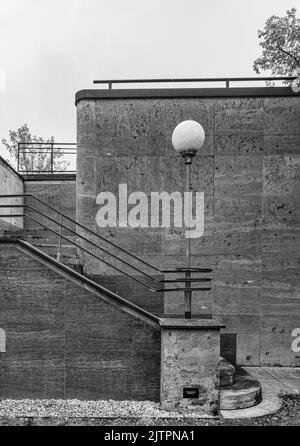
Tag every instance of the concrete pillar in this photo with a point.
(190, 354)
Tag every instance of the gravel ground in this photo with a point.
(86, 409)
(128, 413)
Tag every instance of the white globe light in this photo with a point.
(188, 137)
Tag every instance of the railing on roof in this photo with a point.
(49, 158)
(226, 80)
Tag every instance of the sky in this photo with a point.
(51, 49)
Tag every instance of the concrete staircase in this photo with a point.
(238, 389)
(47, 242)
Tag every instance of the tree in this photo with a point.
(280, 42)
(33, 159)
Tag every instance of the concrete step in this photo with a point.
(78, 267)
(69, 255)
(227, 373)
(39, 232)
(48, 243)
(245, 392)
(68, 251)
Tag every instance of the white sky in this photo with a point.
(49, 49)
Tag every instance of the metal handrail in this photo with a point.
(84, 249)
(60, 235)
(227, 80)
(83, 227)
(61, 225)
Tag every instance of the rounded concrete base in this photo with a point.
(245, 392)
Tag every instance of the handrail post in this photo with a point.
(58, 256)
(188, 296)
(18, 160)
(227, 83)
(52, 156)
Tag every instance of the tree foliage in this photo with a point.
(33, 159)
(280, 42)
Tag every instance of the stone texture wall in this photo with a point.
(64, 342)
(59, 194)
(190, 360)
(249, 172)
(10, 184)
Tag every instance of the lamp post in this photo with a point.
(188, 137)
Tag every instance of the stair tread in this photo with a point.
(242, 385)
(245, 392)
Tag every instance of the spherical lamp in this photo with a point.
(188, 137)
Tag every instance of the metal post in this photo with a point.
(188, 297)
(52, 156)
(227, 83)
(58, 256)
(188, 293)
(18, 166)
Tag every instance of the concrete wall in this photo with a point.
(249, 172)
(10, 184)
(61, 194)
(64, 342)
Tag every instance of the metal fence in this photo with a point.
(50, 158)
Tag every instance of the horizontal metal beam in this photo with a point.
(192, 269)
(185, 289)
(188, 279)
(39, 172)
(48, 144)
(227, 80)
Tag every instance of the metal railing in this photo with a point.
(156, 284)
(49, 158)
(224, 80)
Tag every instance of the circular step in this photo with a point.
(245, 392)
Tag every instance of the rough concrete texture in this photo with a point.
(190, 360)
(248, 170)
(10, 184)
(60, 194)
